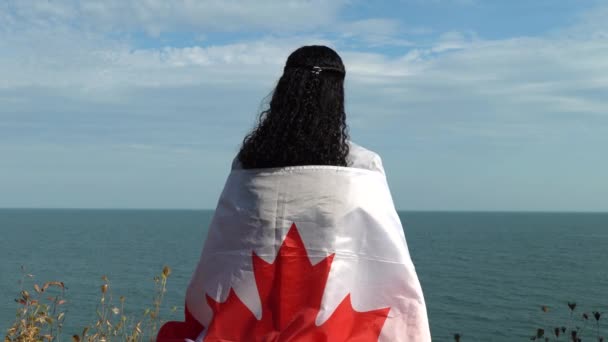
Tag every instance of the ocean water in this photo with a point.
(484, 275)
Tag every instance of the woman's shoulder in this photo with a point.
(358, 157)
(362, 158)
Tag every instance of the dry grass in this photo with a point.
(580, 328)
(41, 313)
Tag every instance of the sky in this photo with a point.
(472, 104)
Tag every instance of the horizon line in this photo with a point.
(398, 210)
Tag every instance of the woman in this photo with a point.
(305, 243)
(306, 123)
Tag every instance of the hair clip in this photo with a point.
(316, 70)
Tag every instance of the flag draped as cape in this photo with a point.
(305, 253)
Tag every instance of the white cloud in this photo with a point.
(453, 40)
(66, 81)
(546, 74)
(590, 24)
(377, 26)
(444, 2)
(376, 32)
(157, 16)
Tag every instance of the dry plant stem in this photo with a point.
(36, 320)
(573, 332)
(39, 322)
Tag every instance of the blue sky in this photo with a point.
(472, 104)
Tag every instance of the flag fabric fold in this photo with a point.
(306, 253)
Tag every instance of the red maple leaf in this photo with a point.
(290, 290)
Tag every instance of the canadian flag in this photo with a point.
(306, 253)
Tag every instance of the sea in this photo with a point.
(485, 275)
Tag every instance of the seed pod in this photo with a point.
(166, 271)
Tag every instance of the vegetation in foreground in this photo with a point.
(41, 314)
(580, 328)
(42, 309)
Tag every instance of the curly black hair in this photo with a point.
(305, 123)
